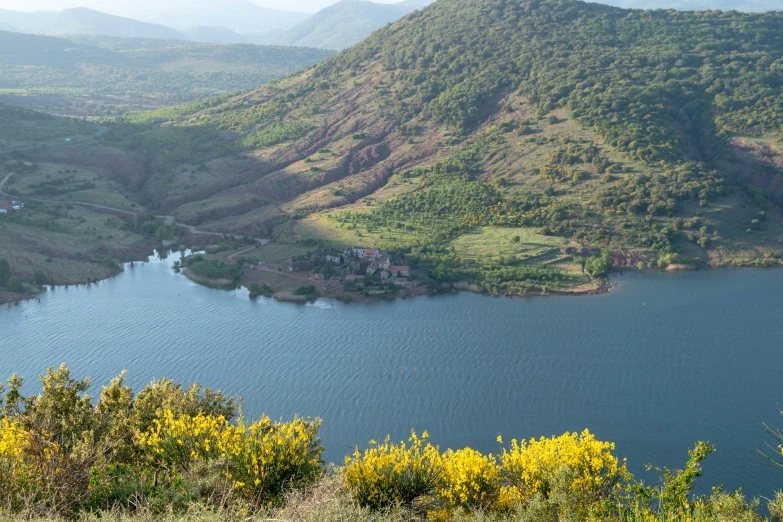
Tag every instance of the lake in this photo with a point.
(662, 361)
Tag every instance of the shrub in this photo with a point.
(305, 290)
(469, 480)
(531, 467)
(259, 460)
(388, 474)
(15, 285)
(13, 472)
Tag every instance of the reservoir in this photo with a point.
(662, 361)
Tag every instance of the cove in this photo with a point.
(663, 360)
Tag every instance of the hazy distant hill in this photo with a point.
(241, 15)
(214, 34)
(83, 21)
(225, 22)
(346, 23)
(698, 5)
(105, 75)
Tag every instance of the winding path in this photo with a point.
(169, 220)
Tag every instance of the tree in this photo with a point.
(15, 285)
(5, 272)
(40, 279)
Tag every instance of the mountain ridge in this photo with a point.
(82, 20)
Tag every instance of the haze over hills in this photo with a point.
(216, 23)
(346, 23)
(240, 16)
(83, 21)
(222, 23)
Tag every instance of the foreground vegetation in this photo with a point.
(172, 453)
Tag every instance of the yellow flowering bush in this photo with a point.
(266, 457)
(469, 479)
(387, 474)
(13, 440)
(25, 460)
(178, 441)
(260, 459)
(531, 466)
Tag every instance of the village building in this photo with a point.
(372, 269)
(334, 258)
(301, 266)
(399, 271)
(385, 274)
(357, 280)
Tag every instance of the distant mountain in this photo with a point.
(346, 23)
(214, 34)
(83, 21)
(237, 15)
(699, 5)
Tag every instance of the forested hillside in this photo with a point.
(104, 75)
(516, 144)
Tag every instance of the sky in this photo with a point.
(117, 7)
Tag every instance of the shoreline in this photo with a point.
(13, 299)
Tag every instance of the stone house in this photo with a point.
(301, 266)
(399, 271)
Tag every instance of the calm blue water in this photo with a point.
(662, 361)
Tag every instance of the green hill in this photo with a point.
(515, 145)
(117, 74)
